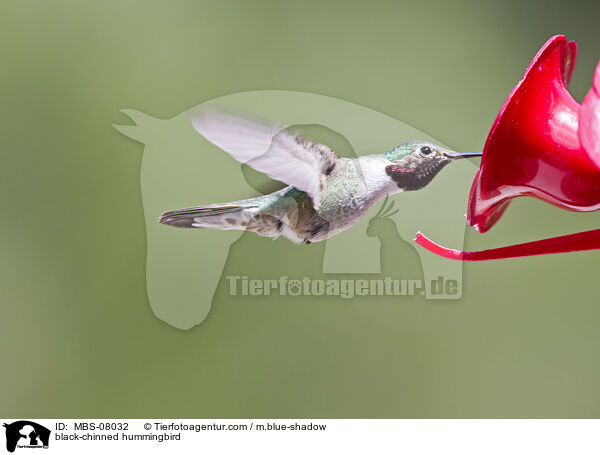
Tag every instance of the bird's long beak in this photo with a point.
(457, 156)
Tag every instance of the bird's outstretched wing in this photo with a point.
(274, 150)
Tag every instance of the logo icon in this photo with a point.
(26, 434)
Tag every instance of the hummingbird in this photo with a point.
(326, 193)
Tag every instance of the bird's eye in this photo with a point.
(425, 150)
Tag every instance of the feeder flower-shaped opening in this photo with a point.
(533, 148)
(545, 145)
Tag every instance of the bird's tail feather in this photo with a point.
(221, 216)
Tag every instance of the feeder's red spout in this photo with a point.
(543, 144)
(534, 147)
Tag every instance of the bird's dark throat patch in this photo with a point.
(409, 179)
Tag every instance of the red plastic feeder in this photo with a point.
(543, 144)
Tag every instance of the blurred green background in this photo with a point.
(78, 336)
